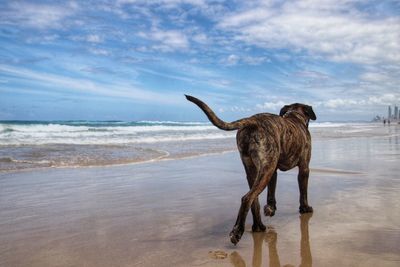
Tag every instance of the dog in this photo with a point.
(266, 143)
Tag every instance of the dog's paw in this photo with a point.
(235, 235)
(258, 227)
(269, 210)
(305, 209)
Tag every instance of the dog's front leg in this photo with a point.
(302, 178)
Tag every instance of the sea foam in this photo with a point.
(40, 133)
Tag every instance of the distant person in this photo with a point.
(388, 122)
(384, 122)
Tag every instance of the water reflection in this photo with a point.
(271, 237)
(394, 135)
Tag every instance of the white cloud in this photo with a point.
(200, 38)
(321, 28)
(231, 60)
(239, 109)
(338, 102)
(114, 89)
(384, 100)
(371, 101)
(374, 77)
(94, 38)
(34, 15)
(46, 39)
(99, 51)
(312, 74)
(271, 105)
(254, 60)
(167, 40)
(166, 3)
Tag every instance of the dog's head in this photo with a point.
(304, 110)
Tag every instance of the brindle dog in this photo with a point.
(268, 142)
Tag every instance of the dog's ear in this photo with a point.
(310, 113)
(284, 110)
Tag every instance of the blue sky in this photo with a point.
(134, 59)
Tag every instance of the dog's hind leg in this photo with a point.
(251, 173)
(265, 168)
(270, 208)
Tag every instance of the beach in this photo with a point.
(176, 208)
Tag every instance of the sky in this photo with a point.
(135, 59)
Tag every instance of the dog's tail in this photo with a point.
(227, 126)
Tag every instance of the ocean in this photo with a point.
(41, 144)
(35, 144)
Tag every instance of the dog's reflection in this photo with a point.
(271, 238)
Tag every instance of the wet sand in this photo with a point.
(180, 212)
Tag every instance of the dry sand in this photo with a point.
(180, 212)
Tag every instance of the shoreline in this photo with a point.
(326, 171)
(23, 158)
(167, 158)
(155, 160)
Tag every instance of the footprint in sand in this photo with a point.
(217, 254)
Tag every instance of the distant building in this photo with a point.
(393, 114)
